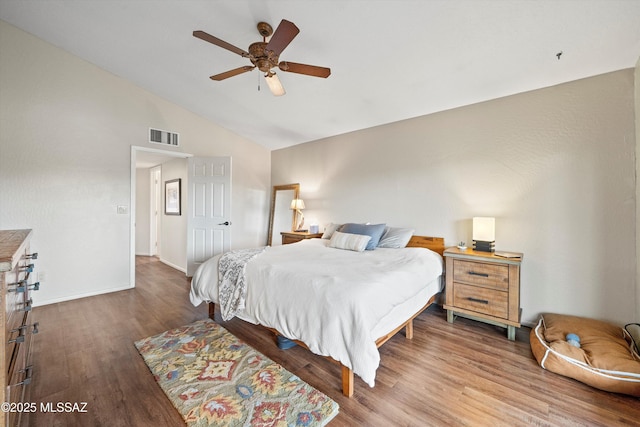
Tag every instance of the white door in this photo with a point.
(209, 209)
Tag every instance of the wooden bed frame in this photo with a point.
(435, 244)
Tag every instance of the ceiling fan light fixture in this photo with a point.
(274, 84)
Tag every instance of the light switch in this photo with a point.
(123, 210)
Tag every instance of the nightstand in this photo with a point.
(296, 236)
(483, 286)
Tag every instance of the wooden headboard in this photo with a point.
(435, 244)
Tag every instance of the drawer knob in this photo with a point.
(28, 268)
(481, 301)
(473, 273)
(32, 256)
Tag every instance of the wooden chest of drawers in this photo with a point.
(483, 286)
(16, 285)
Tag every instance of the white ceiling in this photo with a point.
(390, 60)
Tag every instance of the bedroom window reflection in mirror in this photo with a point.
(282, 218)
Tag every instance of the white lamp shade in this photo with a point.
(297, 204)
(274, 84)
(484, 229)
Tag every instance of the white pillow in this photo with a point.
(351, 242)
(330, 229)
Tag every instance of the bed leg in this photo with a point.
(212, 311)
(347, 381)
(409, 330)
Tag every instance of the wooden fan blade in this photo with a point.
(232, 73)
(221, 43)
(283, 35)
(309, 70)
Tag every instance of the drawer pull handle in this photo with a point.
(27, 305)
(22, 286)
(21, 334)
(19, 286)
(35, 326)
(481, 301)
(27, 378)
(19, 338)
(473, 273)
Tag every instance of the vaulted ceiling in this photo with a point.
(390, 59)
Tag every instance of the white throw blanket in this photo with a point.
(331, 299)
(232, 286)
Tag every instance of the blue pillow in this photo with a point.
(372, 230)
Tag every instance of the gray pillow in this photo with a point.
(395, 237)
(330, 229)
(372, 230)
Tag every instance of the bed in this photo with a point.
(337, 303)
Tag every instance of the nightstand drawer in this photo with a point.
(489, 275)
(295, 236)
(481, 300)
(289, 239)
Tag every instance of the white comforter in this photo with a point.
(330, 299)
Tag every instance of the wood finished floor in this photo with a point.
(461, 374)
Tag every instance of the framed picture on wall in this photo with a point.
(172, 197)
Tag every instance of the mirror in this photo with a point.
(282, 218)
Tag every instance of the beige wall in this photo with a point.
(172, 239)
(65, 149)
(554, 166)
(637, 123)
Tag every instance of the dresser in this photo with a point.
(16, 284)
(296, 236)
(483, 286)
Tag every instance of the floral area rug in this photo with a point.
(214, 379)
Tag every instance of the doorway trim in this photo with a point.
(155, 191)
(132, 202)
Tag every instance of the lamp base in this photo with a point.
(482, 246)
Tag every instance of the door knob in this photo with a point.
(225, 223)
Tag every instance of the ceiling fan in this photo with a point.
(265, 55)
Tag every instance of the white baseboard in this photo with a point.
(177, 267)
(37, 303)
(78, 296)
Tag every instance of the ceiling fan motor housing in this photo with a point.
(263, 59)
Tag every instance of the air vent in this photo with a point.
(158, 136)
